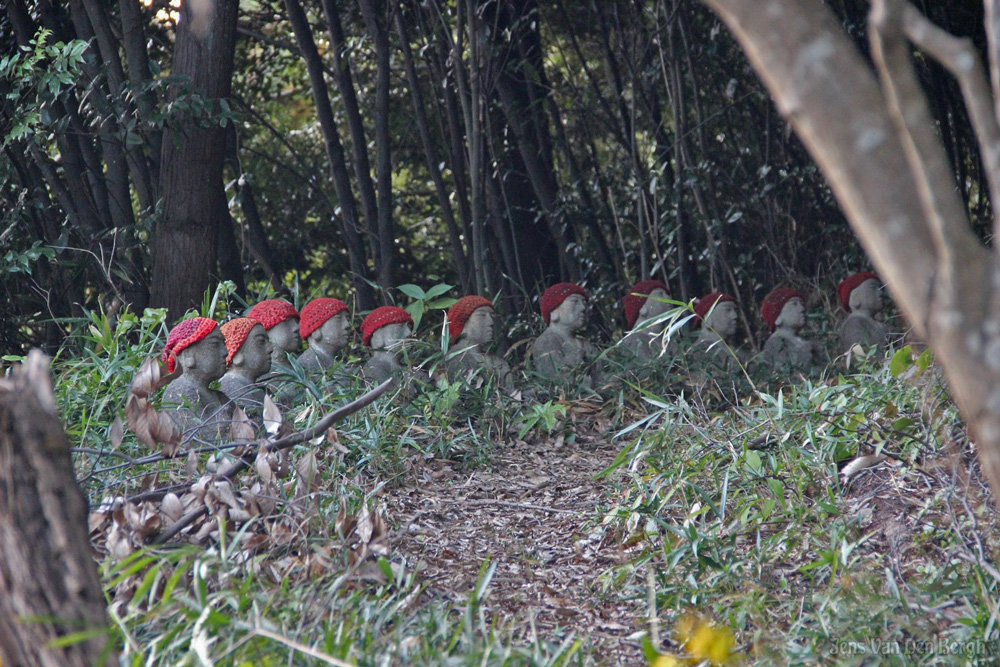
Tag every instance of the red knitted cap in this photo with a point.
(184, 335)
(381, 317)
(848, 285)
(705, 303)
(775, 301)
(316, 313)
(462, 310)
(272, 312)
(235, 332)
(553, 297)
(637, 296)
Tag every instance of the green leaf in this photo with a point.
(441, 304)
(924, 361)
(901, 361)
(753, 461)
(412, 291)
(437, 290)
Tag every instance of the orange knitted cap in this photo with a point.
(849, 284)
(272, 312)
(184, 335)
(316, 313)
(775, 301)
(705, 303)
(462, 310)
(553, 297)
(381, 317)
(637, 296)
(235, 332)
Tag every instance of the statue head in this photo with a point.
(564, 306)
(470, 320)
(718, 312)
(325, 324)
(281, 321)
(642, 301)
(249, 347)
(861, 292)
(198, 346)
(384, 327)
(784, 308)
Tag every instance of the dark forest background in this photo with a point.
(350, 146)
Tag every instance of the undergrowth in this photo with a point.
(750, 515)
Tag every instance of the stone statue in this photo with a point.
(786, 352)
(564, 309)
(719, 317)
(642, 303)
(384, 330)
(470, 327)
(197, 346)
(281, 322)
(248, 359)
(325, 325)
(861, 295)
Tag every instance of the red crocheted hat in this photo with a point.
(553, 297)
(636, 297)
(705, 303)
(381, 317)
(235, 332)
(184, 335)
(848, 285)
(272, 312)
(316, 313)
(462, 310)
(775, 301)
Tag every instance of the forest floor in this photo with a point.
(533, 511)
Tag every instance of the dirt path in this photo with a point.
(535, 512)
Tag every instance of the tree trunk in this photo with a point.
(184, 241)
(49, 584)
(879, 151)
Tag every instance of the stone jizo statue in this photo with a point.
(248, 359)
(786, 352)
(471, 322)
(860, 295)
(325, 325)
(641, 303)
(384, 330)
(564, 309)
(281, 322)
(196, 346)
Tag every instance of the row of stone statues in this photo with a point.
(247, 353)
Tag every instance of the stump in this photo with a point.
(49, 583)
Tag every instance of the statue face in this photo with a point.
(205, 361)
(478, 328)
(571, 313)
(793, 315)
(723, 319)
(255, 355)
(652, 307)
(285, 335)
(390, 335)
(867, 296)
(332, 337)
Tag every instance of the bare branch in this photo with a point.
(907, 106)
(962, 60)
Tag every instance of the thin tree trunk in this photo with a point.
(185, 239)
(49, 584)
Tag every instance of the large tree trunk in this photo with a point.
(184, 241)
(878, 148)
(49, 585)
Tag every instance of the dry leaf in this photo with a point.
(365, 525)
(263, 466)
(171, 506)
(272, 416)
(117, 433)
(240, 428)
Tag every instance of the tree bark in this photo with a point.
(184, 240)
(49, 584)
